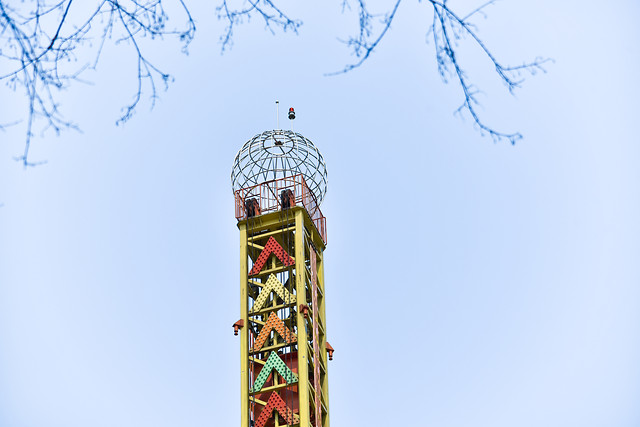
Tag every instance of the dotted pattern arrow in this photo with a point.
(273, 285)
(274, 362)
(276, 402)
(273, 323)
(272, 247)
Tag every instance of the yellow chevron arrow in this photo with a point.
(273, 285)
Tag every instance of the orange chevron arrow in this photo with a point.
(272, 247)
(273, 322)
(276, 402)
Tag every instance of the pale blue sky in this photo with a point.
(469, 283)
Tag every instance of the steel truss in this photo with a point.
(283, 334)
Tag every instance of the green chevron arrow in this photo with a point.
(273, 362)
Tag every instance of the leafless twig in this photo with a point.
(271, 14)
(45, 53)
(47, 44)
(448, 29)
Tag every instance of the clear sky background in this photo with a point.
(469, 283)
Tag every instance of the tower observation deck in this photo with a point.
(279, 180)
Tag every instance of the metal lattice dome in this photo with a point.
(276, 154)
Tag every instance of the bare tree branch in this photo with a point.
(362, 45)
(447, 28)
(44, 54)
(272, 16)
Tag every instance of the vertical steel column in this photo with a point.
(301, 290)
(323, 341)
(317, 363)
(244, 332)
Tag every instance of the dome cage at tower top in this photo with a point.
(276, 154)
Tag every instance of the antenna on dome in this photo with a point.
(277, 114)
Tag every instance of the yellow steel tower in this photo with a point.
(279, 180)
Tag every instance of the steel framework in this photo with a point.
(282, 326)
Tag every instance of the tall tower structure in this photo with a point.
(279, 180)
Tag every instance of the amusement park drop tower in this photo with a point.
(279, 180)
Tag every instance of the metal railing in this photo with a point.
(271, 196)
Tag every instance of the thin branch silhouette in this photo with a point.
(45, 53)
(448, 29)
(46, 45)
(271, 14)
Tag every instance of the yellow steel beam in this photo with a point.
(259, 284)
(270, 309)
(271, 347)
(274, 219)
(254, 360)
(301, 294)
(271, 233)
(323, 341)
(258, 401)
(322, 367)
(268, 222)
(259, 322)
(244, 332)
(255, 245)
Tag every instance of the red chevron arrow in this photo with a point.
(272, 247)
(276, 402)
